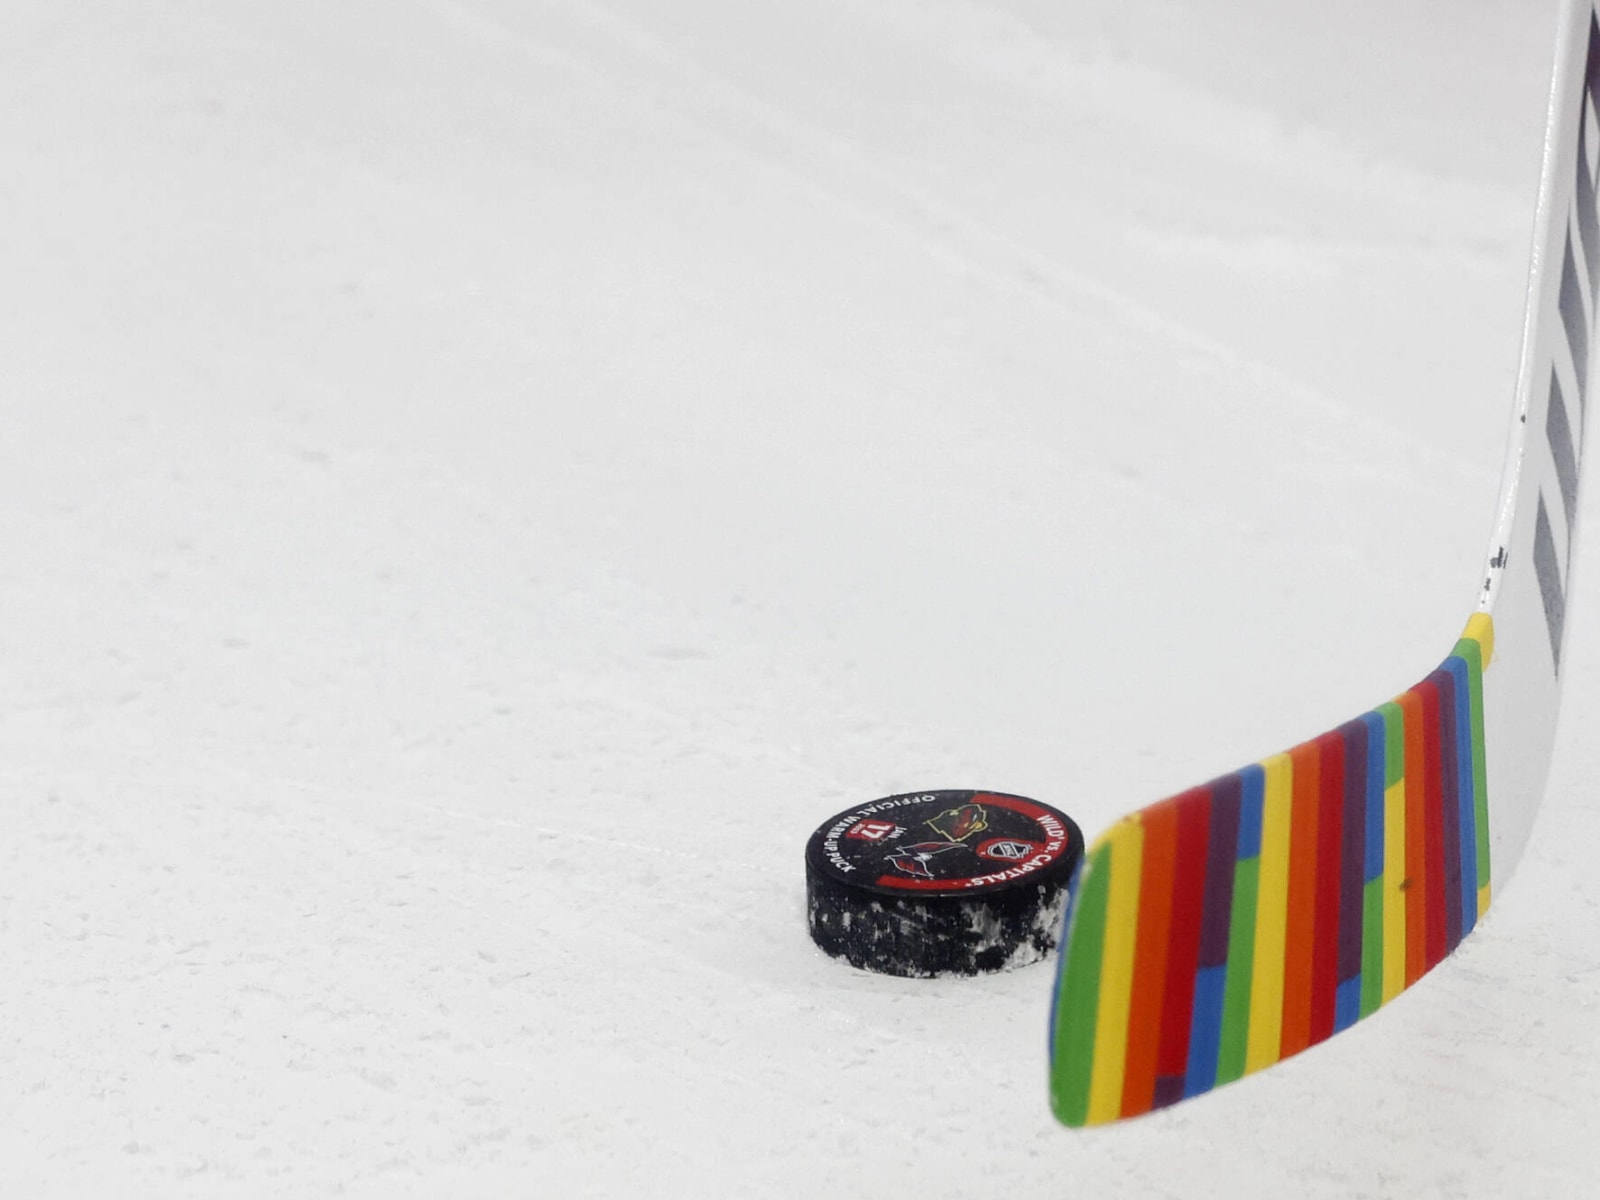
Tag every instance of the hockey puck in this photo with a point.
(941, 883)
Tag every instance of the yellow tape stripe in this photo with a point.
(1116, 972)
(1394, 892)
(1480, 628)
(1272, 903)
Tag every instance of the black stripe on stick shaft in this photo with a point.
(1575, 320)
(1591, 66)
(1558, 431)
(1547, 567)
(1585, 201)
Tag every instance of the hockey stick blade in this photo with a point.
(1229, 927)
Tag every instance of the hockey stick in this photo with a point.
(1231, 926)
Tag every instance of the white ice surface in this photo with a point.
(481, 479)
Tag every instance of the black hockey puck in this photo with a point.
(941, 883)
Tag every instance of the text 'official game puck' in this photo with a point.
(941, 883)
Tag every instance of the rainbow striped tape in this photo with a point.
(1238, 923)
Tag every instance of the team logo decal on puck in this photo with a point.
(941, 883)
(1007, 850)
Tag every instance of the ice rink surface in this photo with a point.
(482, 479)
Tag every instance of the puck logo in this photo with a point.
(917, 860)
(1006, 849)
(942, 842)
(958, 824)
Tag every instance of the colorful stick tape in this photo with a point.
(1240, 922)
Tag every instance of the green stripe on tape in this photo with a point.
(1469, 650)
(1078, 1000)
(1241, 972)
(1372, 946)
(1394, 743)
